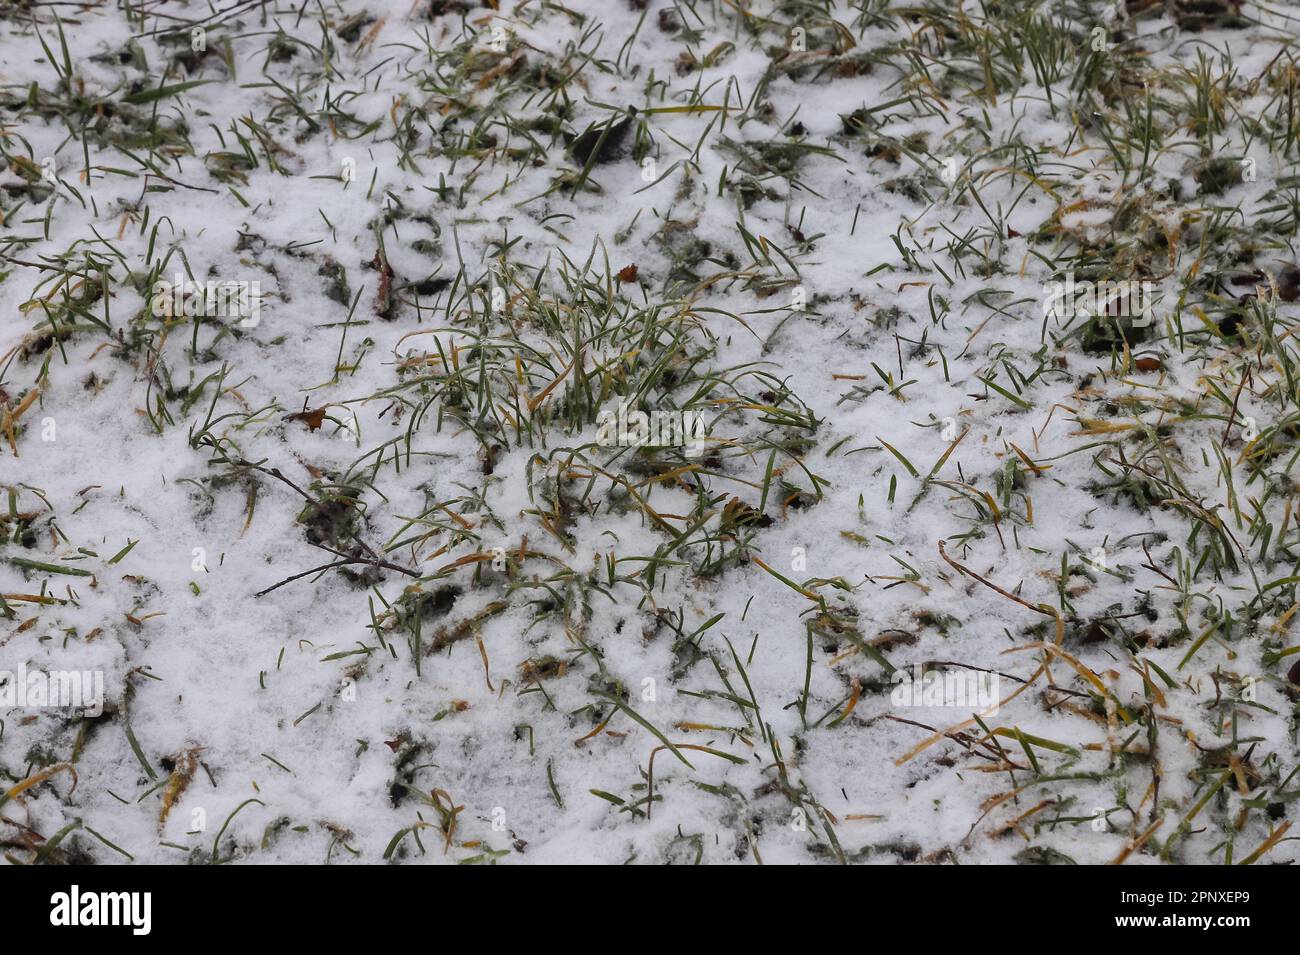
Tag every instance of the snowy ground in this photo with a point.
(825, 234)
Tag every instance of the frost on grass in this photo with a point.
(668, 432)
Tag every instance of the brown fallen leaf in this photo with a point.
(187, 761)
(1148, 364)
(21, 628)
(627, 274)
(313, 419)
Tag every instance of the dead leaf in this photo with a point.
(384, 299)
(187, 762)
(313, 419)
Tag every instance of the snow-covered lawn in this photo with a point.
(629, 430)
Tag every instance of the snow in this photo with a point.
(192, 660)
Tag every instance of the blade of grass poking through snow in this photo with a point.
(1016, 399)
(767, 482)
(1198, 643)
(938, 465)
(787, 581)
(216, 841)
(899, 455)
(43, 567)
(52, 844)
(111, 845)
(161, 92)
(749, 688)
(1195, 810)
(650, 768)
(807, 675)
(139, 753)
(123, 552)
(647, 724)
